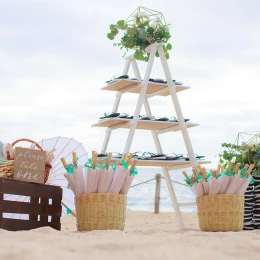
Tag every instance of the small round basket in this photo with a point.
(100, 211)
(221, 212)
(7, 167)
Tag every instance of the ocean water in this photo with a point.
(142, 197)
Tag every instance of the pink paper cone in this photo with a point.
(224, 182)
(214, 185)
(197, 189)
(118, 180)
(79, 180)
(90, 180)
(205, 186)
(70, 182)
(127, 184)
(234, 184)
(110, 179)
(96, 179)
(103, 180)
(243, 187)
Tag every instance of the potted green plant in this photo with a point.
(141, 29)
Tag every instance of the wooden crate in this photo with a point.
(38, 208)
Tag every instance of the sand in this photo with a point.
(146, 236)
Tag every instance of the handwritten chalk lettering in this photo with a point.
(29, 165)
(27, 175)
(28, 155)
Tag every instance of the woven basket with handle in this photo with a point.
(7, 167)
(100, 211)
(221, 212)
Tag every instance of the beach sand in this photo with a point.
(146, 236)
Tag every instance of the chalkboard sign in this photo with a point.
(29, 165)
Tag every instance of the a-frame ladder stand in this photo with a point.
(142, 100)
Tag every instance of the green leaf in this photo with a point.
(137, 55)
(110, 36)
(167, 56)
(114, 33)
(120, 23)
(112, 27)
(169, 46)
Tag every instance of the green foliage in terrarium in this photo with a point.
(144, 29)
(245, 153)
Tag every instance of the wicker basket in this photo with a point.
(222, 212)
(100, 211)
(7, 167)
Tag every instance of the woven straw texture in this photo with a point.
(222, 212)
(100, 211)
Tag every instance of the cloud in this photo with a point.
(55, 58)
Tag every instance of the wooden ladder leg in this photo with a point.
(173, 197)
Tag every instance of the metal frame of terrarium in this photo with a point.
(153, 15)
(254, 136)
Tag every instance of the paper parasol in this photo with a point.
(214, 183)
(235, 182)
(58, 147)
(246, 180)
(119, 176)
(225, 179)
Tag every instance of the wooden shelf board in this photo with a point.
(123, 85)
(160, 163)
(142, 124)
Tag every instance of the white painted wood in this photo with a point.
(106, 140)
(146, 90)
(173, 197)
(140, 101)
(177, 107)
(131, 86)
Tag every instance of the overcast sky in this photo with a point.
(55, 57)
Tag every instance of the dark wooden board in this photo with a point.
(30, 189)
(20, 224)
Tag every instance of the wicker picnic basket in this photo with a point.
(100, 211)
(221, 212)
(7, 167)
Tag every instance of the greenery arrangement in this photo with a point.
(246, 153)
(139, 33)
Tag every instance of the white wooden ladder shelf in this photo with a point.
(146, 90)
